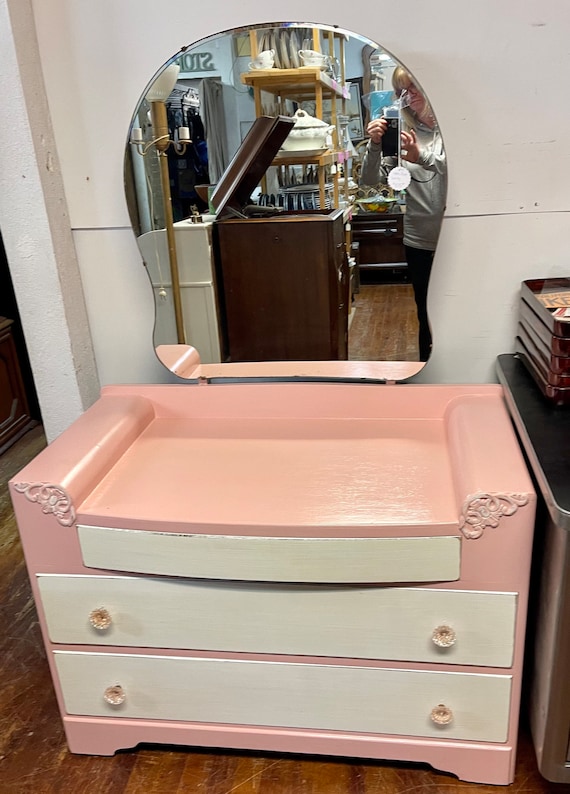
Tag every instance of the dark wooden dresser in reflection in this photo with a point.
(14, 414)
(381, 246)
(283, 287)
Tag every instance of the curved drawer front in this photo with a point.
(339, 698)
(315, 620)
(350, 560)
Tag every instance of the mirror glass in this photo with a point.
(318, 246)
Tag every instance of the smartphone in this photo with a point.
(391, 138)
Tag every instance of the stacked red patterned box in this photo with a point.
(543, 335)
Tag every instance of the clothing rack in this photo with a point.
(184, 97)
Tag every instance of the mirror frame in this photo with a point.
(182, 359)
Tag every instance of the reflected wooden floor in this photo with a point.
(385, 325)
(33, 754)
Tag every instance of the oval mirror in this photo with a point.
(286, 185)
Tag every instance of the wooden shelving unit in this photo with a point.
(306, 83)
(299, 85)
(322, 159)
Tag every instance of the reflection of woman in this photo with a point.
(423, 155)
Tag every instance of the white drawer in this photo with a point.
(271, 559)
(340, 698)
(314, 620)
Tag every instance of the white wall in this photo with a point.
(496, 74)
(36, 233)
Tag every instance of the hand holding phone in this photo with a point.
(410, 147)
(376, 129)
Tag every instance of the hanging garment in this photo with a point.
(213, 117)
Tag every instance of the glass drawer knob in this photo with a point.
(441, 715)
(114, 695)
(100, 619)
(443, 636)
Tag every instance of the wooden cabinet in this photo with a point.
(381, 245)
(306, 567)
(14, 415)
(282, 278)
(283, 287)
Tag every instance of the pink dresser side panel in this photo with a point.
(48, 491)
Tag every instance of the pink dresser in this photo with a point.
(330, 568)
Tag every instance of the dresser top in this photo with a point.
(304, 472)
(284, 455)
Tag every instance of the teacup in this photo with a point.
(313, 58)
(263, 60)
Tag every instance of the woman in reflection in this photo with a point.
(423, 155)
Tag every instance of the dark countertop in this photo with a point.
(544, 430)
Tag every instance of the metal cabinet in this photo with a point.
(544, 431)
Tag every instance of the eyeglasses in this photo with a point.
(409, 89)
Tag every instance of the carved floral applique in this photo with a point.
(51, 498)
(486, 510)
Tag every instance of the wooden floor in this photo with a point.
(385, 324)
(34, 758)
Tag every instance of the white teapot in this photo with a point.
(308, 133)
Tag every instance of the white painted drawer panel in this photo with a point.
(315, 620)
(288, 695)
(284, 559)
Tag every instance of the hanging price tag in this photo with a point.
(399, 178)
